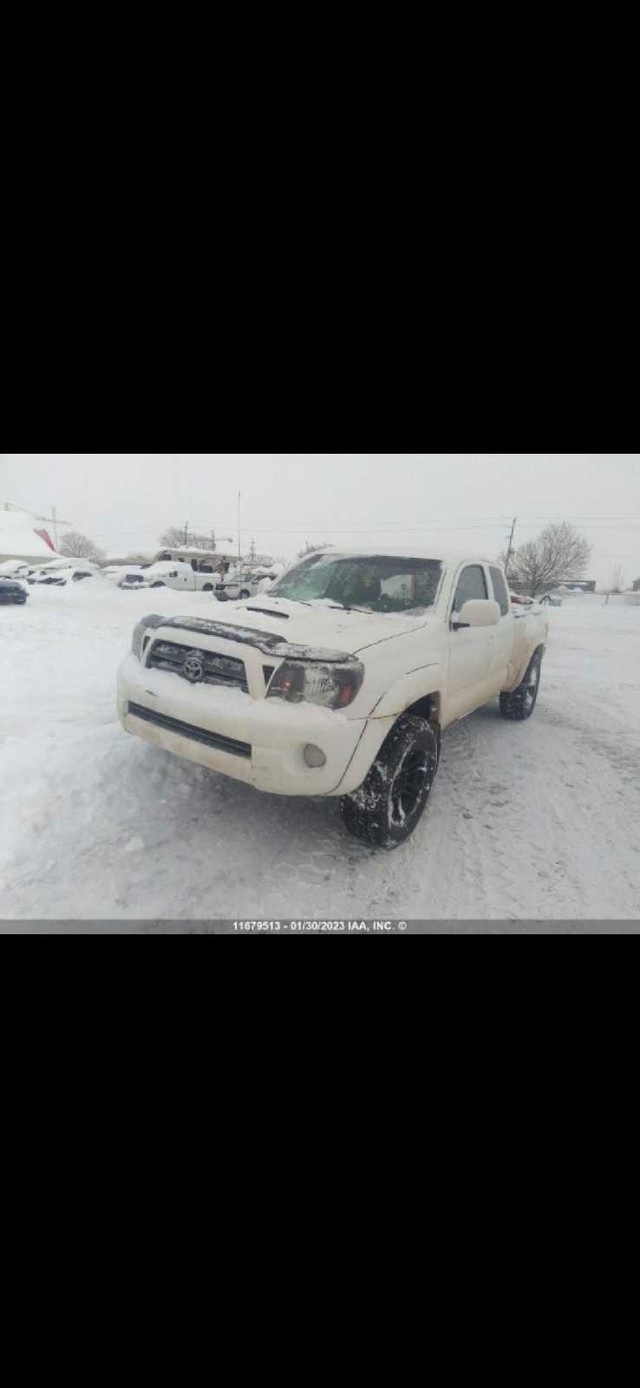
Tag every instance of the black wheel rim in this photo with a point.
(408, 785)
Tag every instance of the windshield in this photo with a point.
(373, 582)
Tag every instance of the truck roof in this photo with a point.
(187, 553)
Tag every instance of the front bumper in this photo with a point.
(259, 741)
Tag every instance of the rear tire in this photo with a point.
(158, 584)
(386, 808)
(520, 704)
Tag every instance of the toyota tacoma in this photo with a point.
(340, 680)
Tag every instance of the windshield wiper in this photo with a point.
(342, 607)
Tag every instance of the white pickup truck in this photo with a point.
(198, 577)
(340, 680)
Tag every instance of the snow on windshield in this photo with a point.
(375, 582)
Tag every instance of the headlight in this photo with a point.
(333, 686)
(138, 632)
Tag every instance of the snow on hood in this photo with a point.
(317, 624)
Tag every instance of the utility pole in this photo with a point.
(186, 534)
(510, 549)
(239, 500)
(221, 539)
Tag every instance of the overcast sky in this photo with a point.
(465, 501)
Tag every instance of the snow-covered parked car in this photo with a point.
(59, 577)
(115, 573)
(133, 580)
(183, 576)
(245, 585)
(340, 681)
(12, 590)
(48, 576)
(14, 568)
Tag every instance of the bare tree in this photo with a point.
(173, 537)
(558, 555)
(181, 537)
(77, 546)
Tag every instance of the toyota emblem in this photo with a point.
(193, 666)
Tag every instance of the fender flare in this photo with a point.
(524, 666)
(425, 682)
(402, 696)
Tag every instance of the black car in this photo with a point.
(10, 591)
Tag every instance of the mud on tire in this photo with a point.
(521, 703)
(386, 808)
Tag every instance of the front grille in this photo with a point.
(218, 669)
(175, 725)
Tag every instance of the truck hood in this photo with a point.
(316, 626)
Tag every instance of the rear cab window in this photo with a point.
(500, 592)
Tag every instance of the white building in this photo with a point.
(22, 536)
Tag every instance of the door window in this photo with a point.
(471, 584)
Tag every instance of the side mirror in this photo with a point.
(477, 612)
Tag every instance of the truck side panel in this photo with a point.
(531, 633)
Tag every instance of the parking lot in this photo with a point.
(527, 822)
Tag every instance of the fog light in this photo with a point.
(314, 756)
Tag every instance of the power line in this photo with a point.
(393, 527)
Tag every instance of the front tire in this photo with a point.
(386, 808)
(520, 704)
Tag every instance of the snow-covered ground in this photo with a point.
(534, 821)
